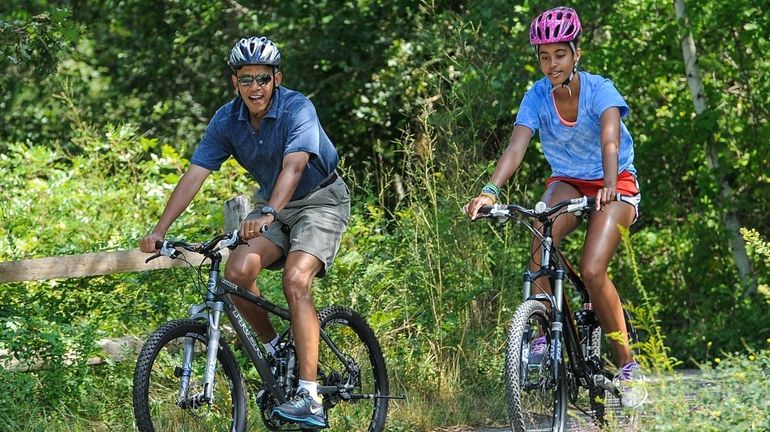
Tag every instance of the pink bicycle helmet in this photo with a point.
(560, 24)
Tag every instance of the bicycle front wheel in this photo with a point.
(160, 401)
(350, 359)
(536, 402)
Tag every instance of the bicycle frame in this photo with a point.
(556, 267)
(218, 300)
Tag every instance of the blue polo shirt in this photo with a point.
(576, 151)
(290, 125)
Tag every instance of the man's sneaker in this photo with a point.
(537, 350)
(632, 386)
(302, 409)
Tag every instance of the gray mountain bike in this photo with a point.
(188, 378)
(575, 368)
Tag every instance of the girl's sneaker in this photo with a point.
(632, 385)
(537, 350)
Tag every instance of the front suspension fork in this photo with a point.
(213, 317)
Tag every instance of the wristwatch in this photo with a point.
(271, 211)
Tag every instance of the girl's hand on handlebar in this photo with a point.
(253, 228)
(473, 206)
(604, 196)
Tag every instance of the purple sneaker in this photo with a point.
(537, 350)
(632, 386)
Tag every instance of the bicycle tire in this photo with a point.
(534, 401)
(156, 383)
(352, 335)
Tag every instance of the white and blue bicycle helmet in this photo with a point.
(255, 50)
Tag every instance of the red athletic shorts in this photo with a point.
(626, 185)
(627, 188)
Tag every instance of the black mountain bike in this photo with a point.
(187, 378)
(574, 369)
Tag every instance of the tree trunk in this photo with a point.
(729, 218)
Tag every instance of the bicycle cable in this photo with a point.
(191, 268)
(541, 239)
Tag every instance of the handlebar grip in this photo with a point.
(485, 209)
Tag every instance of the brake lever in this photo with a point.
(229, 242)
(232, 241)
(235, 240)
(577, 205)
(163, 249)
(157, 255)
(168, 250)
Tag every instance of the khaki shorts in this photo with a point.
(312, 224)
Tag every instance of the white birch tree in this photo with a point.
(729, 218)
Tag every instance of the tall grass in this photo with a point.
(653, 352)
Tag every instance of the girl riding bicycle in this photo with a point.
(579, 118)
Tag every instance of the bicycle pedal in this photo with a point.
(602, 381)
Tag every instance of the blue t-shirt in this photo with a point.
(290, 125)
(576, 151)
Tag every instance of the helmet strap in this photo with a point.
(566, 82)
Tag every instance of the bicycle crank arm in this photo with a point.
(359, 396)
(602, 381)
(371, 396)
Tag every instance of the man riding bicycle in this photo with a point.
(301, 208)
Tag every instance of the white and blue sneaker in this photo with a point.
(303, 410)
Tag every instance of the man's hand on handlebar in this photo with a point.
(253, 228)
(147, 244)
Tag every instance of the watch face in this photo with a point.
(269, 210)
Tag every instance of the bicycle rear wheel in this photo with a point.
(535, 401)
(357, 366)
(158, 404)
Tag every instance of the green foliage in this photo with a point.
(34, 43)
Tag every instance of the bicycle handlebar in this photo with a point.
(541, 210)
(170, 248)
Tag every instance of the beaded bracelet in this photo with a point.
(487, 194)
(492, 189)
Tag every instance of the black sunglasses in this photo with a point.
(262, 79)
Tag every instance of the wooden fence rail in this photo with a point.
(104, 263)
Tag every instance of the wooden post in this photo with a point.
(236, 209)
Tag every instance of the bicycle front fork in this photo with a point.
(212, 348)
